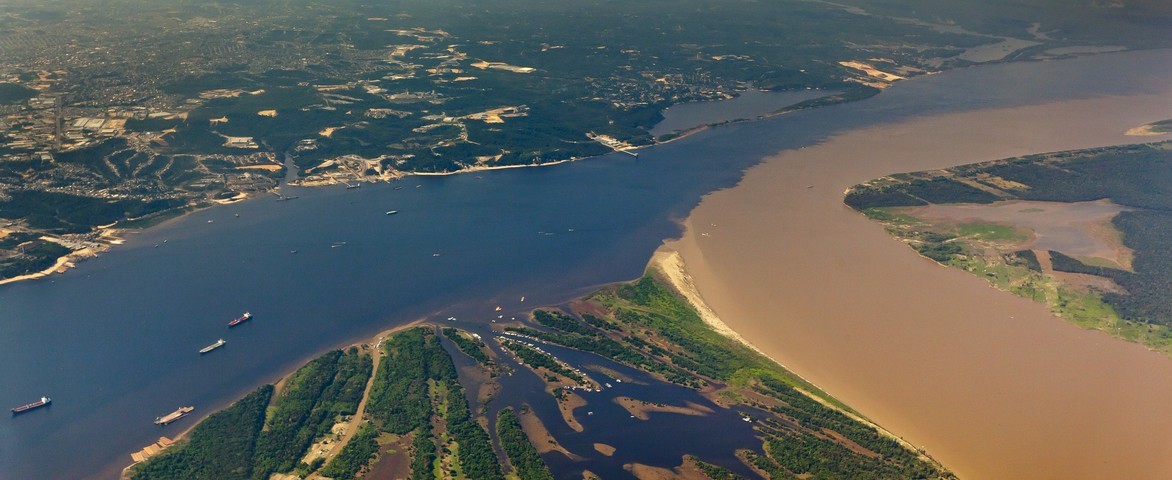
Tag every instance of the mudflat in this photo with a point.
(990, 384)
(1082, 229)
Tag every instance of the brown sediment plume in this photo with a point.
(992, 385)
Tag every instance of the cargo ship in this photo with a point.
(32, 406)
(243, 318)
(173, 416)
(219, 343)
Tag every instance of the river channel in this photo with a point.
(114, 341)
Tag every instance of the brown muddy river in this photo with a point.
(991, 385)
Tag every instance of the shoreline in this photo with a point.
(115, 235)
(374, 342)
(64, 262)
(67, 261)
(835, 298)
(670, 264)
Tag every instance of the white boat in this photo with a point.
(219, 343)
(392, 212)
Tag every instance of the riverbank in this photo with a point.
(63, 263)
(369, 346)
(991, 385)
(111, 234)
(669, 264)
(830, 98)
(107, 237)
(1027, 227)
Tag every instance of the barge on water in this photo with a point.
(173, 416)
(241, 319)
(213, 346)
(43, 402)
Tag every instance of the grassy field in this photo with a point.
(1129, 299)
(986, 250)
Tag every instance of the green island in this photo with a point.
(1110, 209)
(1162, 126)
(523, 457)
(395, 406)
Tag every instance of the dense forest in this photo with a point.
(220, 447)
(313, 398)
(526, 463)
(471, 346)
(253, 438)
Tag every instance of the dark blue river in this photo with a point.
(114, 342)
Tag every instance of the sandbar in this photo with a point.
(642, 410)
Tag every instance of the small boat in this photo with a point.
(241, 319)
(219, 343)
(44, 401)
(173, 416)
(398, 187)
(392, 212)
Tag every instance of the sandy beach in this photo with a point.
(62, 264)
(990, 384)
